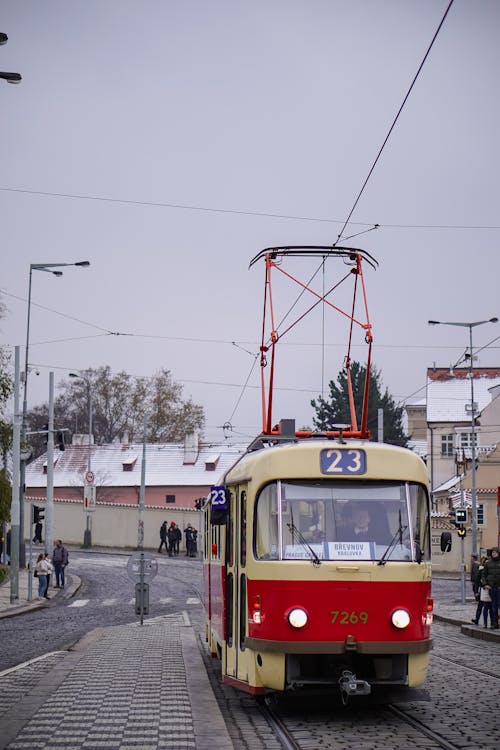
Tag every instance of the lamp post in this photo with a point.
(470, 326)
(87, 535)
(9, 77)
(26, 455)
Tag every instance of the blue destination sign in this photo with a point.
(343, 461)
(218, 497)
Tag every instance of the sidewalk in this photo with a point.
(128, 687)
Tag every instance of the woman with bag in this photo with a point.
(41, 572)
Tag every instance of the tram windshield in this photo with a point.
(342, 520)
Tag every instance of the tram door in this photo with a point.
(236, 588)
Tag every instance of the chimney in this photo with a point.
(125, 440)
(191, 448)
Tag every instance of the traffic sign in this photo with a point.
(89, 477)
(142, 564)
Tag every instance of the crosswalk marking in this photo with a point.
(112, 602)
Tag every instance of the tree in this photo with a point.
(336, 409)
(119, 404)
(5, 498)
(6, 389)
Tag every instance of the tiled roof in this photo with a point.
(119, 466)
(447, 397)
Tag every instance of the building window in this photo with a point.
(447, 445)
(465, 439)
(480, 515)
(170, 498)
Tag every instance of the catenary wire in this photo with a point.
(394, 121)
(247, 212)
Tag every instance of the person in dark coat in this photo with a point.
(37, 539)
(172, 538)
(163, 536)
(60, 559)
(483, 606)
(178, 538)
(188, 531)
(490, 579)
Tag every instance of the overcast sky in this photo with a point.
(169, 141)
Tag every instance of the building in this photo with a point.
(176, 475)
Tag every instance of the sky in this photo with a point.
(169, 141)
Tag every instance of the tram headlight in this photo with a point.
(297, 617)
(400, 618)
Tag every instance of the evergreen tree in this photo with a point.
(335, 410)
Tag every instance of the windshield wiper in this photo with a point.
(399, 533)
(315, 559)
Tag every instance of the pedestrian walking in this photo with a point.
(490, 579)
(37, 539)
(172, 538)
(163, 537)
(60, 559)
(41, 572)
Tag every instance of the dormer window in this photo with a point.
(211, 462)
(56, 458)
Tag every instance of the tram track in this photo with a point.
(339, 731)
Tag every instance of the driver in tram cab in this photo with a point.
(363, 527)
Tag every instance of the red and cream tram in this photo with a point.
(294, 598)
(317, 554)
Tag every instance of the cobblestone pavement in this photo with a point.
(123, 688)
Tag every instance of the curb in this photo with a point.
(22, 609)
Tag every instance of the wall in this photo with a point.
(115, 526)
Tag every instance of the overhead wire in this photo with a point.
(394, 122)
(246, 212)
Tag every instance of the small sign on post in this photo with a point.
(142, 568)
(89, 498)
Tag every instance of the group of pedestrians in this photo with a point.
(485, 577)
(170, 538)
(45, 566)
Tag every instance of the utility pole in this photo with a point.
(140, 528)
(49, 509)
(15, 506)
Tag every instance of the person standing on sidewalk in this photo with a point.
(490, 579)
(60, 559)
(41, 572)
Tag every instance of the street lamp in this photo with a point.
(9, 77)
(26, 455)
(87, 535)
(470, 326)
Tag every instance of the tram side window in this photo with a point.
(266, 544)
(229, 531)
(420, 521)
(229, 610)
(243, 529)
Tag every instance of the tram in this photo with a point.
(317, 557)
